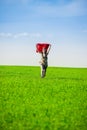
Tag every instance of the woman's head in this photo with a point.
(44, 50)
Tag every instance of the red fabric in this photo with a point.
(40, 46)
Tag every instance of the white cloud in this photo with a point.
(19, 35)
(25, 34)
(5, 35)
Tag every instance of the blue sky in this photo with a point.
(63, 23)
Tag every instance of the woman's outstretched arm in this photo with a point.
(49, 49)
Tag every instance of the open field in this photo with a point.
(56, 102)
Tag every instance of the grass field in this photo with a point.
(56, 102)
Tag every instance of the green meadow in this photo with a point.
(56, 102)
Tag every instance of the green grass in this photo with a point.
(56, 102)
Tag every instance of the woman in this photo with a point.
(44, 61)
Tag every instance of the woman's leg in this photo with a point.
(43, 71)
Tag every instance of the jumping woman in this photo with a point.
(44, 60)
